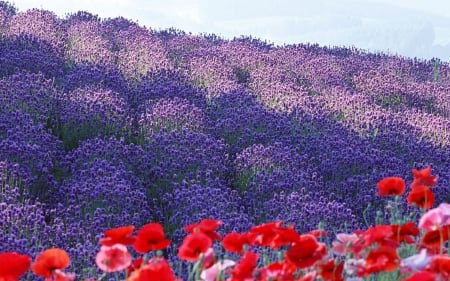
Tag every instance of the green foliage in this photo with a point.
(72, 133)
(242, 75)
(391, 101)
(436, 67)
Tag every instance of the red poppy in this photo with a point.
(441, 264)
(12, 265)
(118, 235)
(284, 236)
(264, 233)
(422, 196)
(244, 269)
(405, 233)
(278, 271)
(435, 239)
(136, 264)
(207, 226)
(157, 269)
(318, 233)
(194, 244)
(423, 177)
(383, 258)
(391, 186)
(331, 271)
(50, 260)
(422, 276)
(234, 242)
(306, 252)
(379, 234)
(150, 238)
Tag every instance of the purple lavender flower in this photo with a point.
(32, 148)
(166, 115)
(90, 112)
(31, 93)
(40, 24)
(86, 43)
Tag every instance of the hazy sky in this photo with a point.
(415, 28)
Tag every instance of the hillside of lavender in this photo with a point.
(105, 123)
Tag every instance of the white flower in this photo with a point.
(417, 262)
(351, 266)
(211, 273)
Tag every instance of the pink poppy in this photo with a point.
(59, 275)
(114, 258)
(210, 274)
(353, 266)
(208, 258)
(342, 243)
(436, 218)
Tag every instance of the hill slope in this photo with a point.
(106, 123)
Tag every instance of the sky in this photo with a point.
(412, 28)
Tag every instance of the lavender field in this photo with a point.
(106, 123)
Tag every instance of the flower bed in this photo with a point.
(401, 250)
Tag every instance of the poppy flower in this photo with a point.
(318, 233)
(422, 196)
(417, 262)
(423, 177)
(234, 242)
(440, 264)
(136, 264)
(435, 238)
(13, 265)
(210, 274)
(306, 252)
(114, 258)
(208, 258)
(343, 242)
(118, 235)
(405, 233)
(391, 186)
(383, 258)
(264, 233)
(157, 269)
(50, 260)
(284, 236)
(331, 271)
(380, 234)
(194, 244)
(278, 271)
(150, 238)
(59, 275)
(354, 266)
(207, 226)
(244, 269)
(435, 218)
(422, 276)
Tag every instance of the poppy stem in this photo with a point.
(364, 215)
(102, 276)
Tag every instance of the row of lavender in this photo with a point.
(106, 123)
